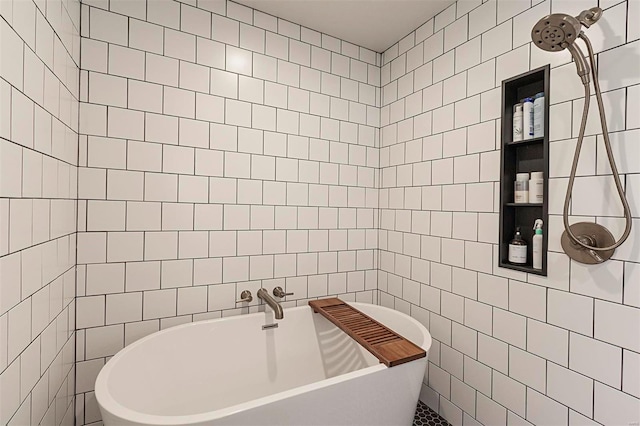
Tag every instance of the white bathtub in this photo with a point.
(231, 372)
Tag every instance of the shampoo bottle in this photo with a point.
(517, 123)
(538, 115)
(537, 244)
(527, 119)
(518, 249)
(521, 188)
(536, 187)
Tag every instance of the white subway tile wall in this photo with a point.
(39, 100)
(221, 149)
(510, 348)
(194, 149)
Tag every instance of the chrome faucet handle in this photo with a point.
(279, 292)
(245, 296)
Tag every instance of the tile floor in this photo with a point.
(425, 416)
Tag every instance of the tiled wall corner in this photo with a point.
(39, 85)
(509, 348)
(221, 149)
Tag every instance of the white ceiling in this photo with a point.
(375, 24)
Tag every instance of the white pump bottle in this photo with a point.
(537, 244)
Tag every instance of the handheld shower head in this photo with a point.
(557, 32)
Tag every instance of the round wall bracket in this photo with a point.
(592, 234)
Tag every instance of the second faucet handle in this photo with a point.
(279, 292)
(245, 296)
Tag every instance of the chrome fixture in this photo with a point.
(589, 17)
(245, 296)
(279, 292)
(266, 297)
(584, 242)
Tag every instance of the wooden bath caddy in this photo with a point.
(389, 347)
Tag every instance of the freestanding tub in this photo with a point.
(232, 372)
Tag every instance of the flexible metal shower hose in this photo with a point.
(607, 145)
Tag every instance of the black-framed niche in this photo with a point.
(531, 155)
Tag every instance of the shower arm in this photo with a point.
(607, 144)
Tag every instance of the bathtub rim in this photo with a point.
(117, 410)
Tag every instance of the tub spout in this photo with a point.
(264, 295)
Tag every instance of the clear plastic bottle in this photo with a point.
(536, 242)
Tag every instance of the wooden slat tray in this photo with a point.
(389, 347)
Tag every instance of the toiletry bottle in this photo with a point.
(536, 187)
(537, 244)
(517, 123)
(527, 119)
(518, 249)
(538, 115)
(521, 188)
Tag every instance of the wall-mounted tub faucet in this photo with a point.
(266, 297)
(584, 242)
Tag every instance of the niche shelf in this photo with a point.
(531, 155)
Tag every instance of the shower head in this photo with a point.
(556, 32)
(559, 31)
